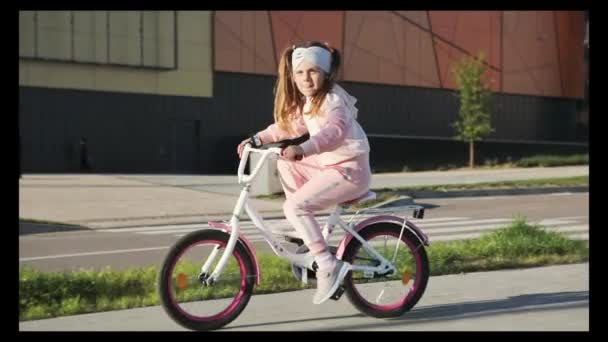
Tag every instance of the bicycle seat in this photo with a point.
(370, 195)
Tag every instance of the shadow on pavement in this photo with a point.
(523, 303)
(428, 205)
(291, 321)
(27, 228)
(530, 302)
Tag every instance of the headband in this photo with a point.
(314, 54)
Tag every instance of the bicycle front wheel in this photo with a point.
(386, 295)
(184, 293)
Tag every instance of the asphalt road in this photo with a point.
(446, 219)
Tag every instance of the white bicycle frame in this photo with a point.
(303, 260)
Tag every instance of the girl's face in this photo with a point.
(309, 78)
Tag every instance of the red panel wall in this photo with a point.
(382, 47)
(530, 55)
(571, 33)
(529, 52)
(243, 42)
(467, 32)
(290, 27)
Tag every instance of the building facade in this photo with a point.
(175, 91)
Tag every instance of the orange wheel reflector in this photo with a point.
(182, 282)
(406, 277)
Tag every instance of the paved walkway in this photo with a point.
(541, 299)
(115, 200)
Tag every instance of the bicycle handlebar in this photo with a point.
(266, 150)
(242, 177)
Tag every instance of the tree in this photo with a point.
(474, 117)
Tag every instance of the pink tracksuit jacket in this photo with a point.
(335, 134)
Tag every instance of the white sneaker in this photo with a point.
(328, 281)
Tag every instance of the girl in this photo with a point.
(307, 100)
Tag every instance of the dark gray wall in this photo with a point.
(137, 133)
(425, 112)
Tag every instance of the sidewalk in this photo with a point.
(540, 299)
(113, 201)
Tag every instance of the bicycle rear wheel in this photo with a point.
(185, 295)
(386, 295)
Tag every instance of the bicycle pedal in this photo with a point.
(338, 293)
(297, 241)
(418, 213)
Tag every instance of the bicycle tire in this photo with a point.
(420, 282)
(165, 281)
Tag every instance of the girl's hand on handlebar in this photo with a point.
(241, 147)
(293, 152)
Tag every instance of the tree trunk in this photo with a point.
(471, 154)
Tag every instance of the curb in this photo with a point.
(493, 192)
(163, 221)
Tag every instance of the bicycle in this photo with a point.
(211, 295)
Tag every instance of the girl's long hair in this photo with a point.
(287, 97)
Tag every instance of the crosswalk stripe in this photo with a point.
(321, 221)
(438, 229)
(432, 227)
(188, 230)
(253, 228)
(570, 229)
(476, 235)
(153, 228)
(467, 229)
(570, 218)
(583, 236)
(462, 223)
(256, 231)
(487, 228)
(447, 233)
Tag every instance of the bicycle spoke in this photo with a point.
(185, 293)
(386, 295)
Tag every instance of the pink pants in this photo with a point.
(309, 189)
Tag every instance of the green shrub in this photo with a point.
(552, 160)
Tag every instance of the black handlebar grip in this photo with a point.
(286, 142)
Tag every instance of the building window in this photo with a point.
(145, 39)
